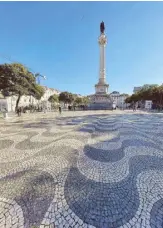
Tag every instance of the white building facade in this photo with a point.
(10, 102)
(44, 103)
(119, 99)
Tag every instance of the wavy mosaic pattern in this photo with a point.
(82, 170)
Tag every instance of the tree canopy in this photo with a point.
(153, 93)
(78, 101)
(16, 79)
(75, 99)
(53, 98)
(85, 100)
(37, 91)
(66, 97)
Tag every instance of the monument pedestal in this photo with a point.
(101, 102)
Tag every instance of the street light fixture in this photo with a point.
(38, 76)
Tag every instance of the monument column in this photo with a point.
(101, 99)
(102, 86)
(102, 43)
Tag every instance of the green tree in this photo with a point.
(63, 97)
(148, 92)
(148, 86)
(36, 91)
(71, 98)
(78, 101)
(53, 99)
(66, 97)
(16, 79)
(157, 96)
(85, 100)
(132, 99)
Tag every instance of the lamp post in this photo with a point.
(11, 105)
(38, 76)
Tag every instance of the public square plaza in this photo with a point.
(99, 169)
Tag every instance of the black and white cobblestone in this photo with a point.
(82, 170)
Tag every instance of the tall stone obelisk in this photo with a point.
(101, 99)
(102, 86)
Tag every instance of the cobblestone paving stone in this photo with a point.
(83, 170)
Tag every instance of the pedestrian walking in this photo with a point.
(60, 109)
(134, 108)
(18, 111)
(5, 113)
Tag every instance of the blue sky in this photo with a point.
(59, 40)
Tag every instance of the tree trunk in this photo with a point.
(17, 102)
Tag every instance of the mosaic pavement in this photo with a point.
(95, 170)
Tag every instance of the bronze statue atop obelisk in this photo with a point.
(102, 27)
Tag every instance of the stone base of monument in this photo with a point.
(100, 106)
(101, 102)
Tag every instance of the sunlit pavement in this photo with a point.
(99, 169)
